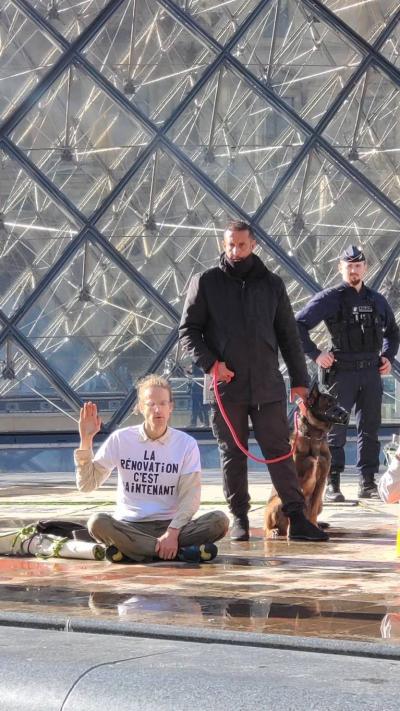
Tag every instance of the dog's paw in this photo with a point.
(272, 533)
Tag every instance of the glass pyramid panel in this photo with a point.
(27, 397)
(233, 144)
(234, 136)
(367, 17)
(390, 286)
(299, 57)
(319, 212)
(96, 328)
(33, 234)
(80, 139)
(366, 131)
(391, 48)
(167, 225)
(149, 56)
(69, 17)
(220, 19)
(26, 55)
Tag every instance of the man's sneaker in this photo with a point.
(114, 555)
(240, 529)
(301, 529)
(333, 495)
(197, 554)
(368, 491)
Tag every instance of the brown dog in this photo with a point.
(312, 459)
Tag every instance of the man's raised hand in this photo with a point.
(89, 424)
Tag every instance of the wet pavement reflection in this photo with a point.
(345, 589)
(293, 590)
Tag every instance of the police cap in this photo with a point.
(352, 254)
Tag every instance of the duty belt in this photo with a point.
(355, 364)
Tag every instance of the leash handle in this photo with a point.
(233, 433)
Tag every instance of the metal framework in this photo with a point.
(131, 130)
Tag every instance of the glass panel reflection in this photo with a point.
(149, 56)
(368, 18)
(26, 55)
(167, 225)
(33, 234)
(319, 212)
(79, 132)
(96, 328)
(220, 19)
(366, 130)
(88, 148)
(242, 143)
(27, 397)
(298, 56)
(69, 17)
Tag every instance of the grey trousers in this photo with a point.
(138, 540)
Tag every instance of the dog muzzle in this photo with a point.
(334, 414)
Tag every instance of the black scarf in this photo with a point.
(240, 269)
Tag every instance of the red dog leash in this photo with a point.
(234, 435)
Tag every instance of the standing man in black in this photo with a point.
(364, 341)
(238, 315)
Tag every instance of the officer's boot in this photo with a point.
(333, 495)
(367, 488)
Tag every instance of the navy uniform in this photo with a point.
(363, 329)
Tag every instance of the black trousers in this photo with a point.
(362, 388)
(271, 431)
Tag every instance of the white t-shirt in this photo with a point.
(148, 470)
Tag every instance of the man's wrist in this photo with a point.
(86, 443)
(173, 530)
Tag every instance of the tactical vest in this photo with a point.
(356, 328)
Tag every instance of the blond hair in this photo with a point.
(151, 381)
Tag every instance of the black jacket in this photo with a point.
(243, 322)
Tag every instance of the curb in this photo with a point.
(202, 636)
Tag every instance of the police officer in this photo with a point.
(364, 341)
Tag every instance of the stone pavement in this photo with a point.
(344, 589)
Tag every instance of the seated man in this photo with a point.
(158, 484)
(389, 483)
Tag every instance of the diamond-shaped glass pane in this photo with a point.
(241, 142)
(391, 284)
(367, 17)
(220, 19)
(366, 131)
(166, 225)
(391, 48)
(319, 212)
(80, 138)
(96, 328)
(27, 398)
(33, 234)
(149, 56)
(301, 59)
(26, 55)
(69, 17)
